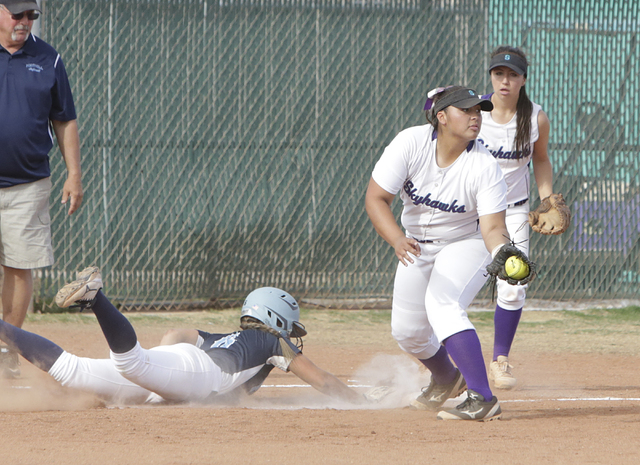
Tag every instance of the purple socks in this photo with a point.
(440, 366)
(465, 350)
(506, 323)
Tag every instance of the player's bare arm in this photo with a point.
(378, 205)
(493, 229)
(321, 380)
(69, 142)
(542, 168)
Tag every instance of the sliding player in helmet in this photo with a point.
(195, 367)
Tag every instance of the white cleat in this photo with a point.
(500, 373)
(81, 291)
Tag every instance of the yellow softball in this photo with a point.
(516, 268)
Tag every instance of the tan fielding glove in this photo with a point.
(551, 217)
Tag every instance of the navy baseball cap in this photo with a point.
(20, 6)
(462, 98)
(511, 61)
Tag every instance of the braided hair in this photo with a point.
(249, 322)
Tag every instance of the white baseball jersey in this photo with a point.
(440, 203)
(499, 140)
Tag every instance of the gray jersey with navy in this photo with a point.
(248, 351)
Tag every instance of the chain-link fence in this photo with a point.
(228, 145)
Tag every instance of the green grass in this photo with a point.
(627, 314)
(614, 331)
(591, 317)
(223, 318)
(347, 317)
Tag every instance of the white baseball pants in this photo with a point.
(430, 296)
(180, 372)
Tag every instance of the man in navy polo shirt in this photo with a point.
(35, 98)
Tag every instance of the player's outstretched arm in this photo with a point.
(378, 205)
(323, 381)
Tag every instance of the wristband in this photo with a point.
(495, 251)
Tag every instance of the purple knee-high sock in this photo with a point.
(40, 351)
(506, 324)
(465, 350)
(117, 330)
(440, 366)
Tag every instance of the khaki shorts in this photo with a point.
(25, 225)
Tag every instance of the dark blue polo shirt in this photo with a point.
(34, 89)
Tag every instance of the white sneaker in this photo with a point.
(81, 291)
(500, 373)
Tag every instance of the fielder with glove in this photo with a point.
(516, 132)
(450, 222)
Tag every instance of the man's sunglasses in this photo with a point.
(31, 15)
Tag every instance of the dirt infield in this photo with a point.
(577, 401)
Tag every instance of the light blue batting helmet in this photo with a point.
(276, 309)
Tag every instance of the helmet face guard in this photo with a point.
(276, 309)
(297, 329)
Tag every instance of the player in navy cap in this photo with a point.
(516, 132)
(454, 197)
